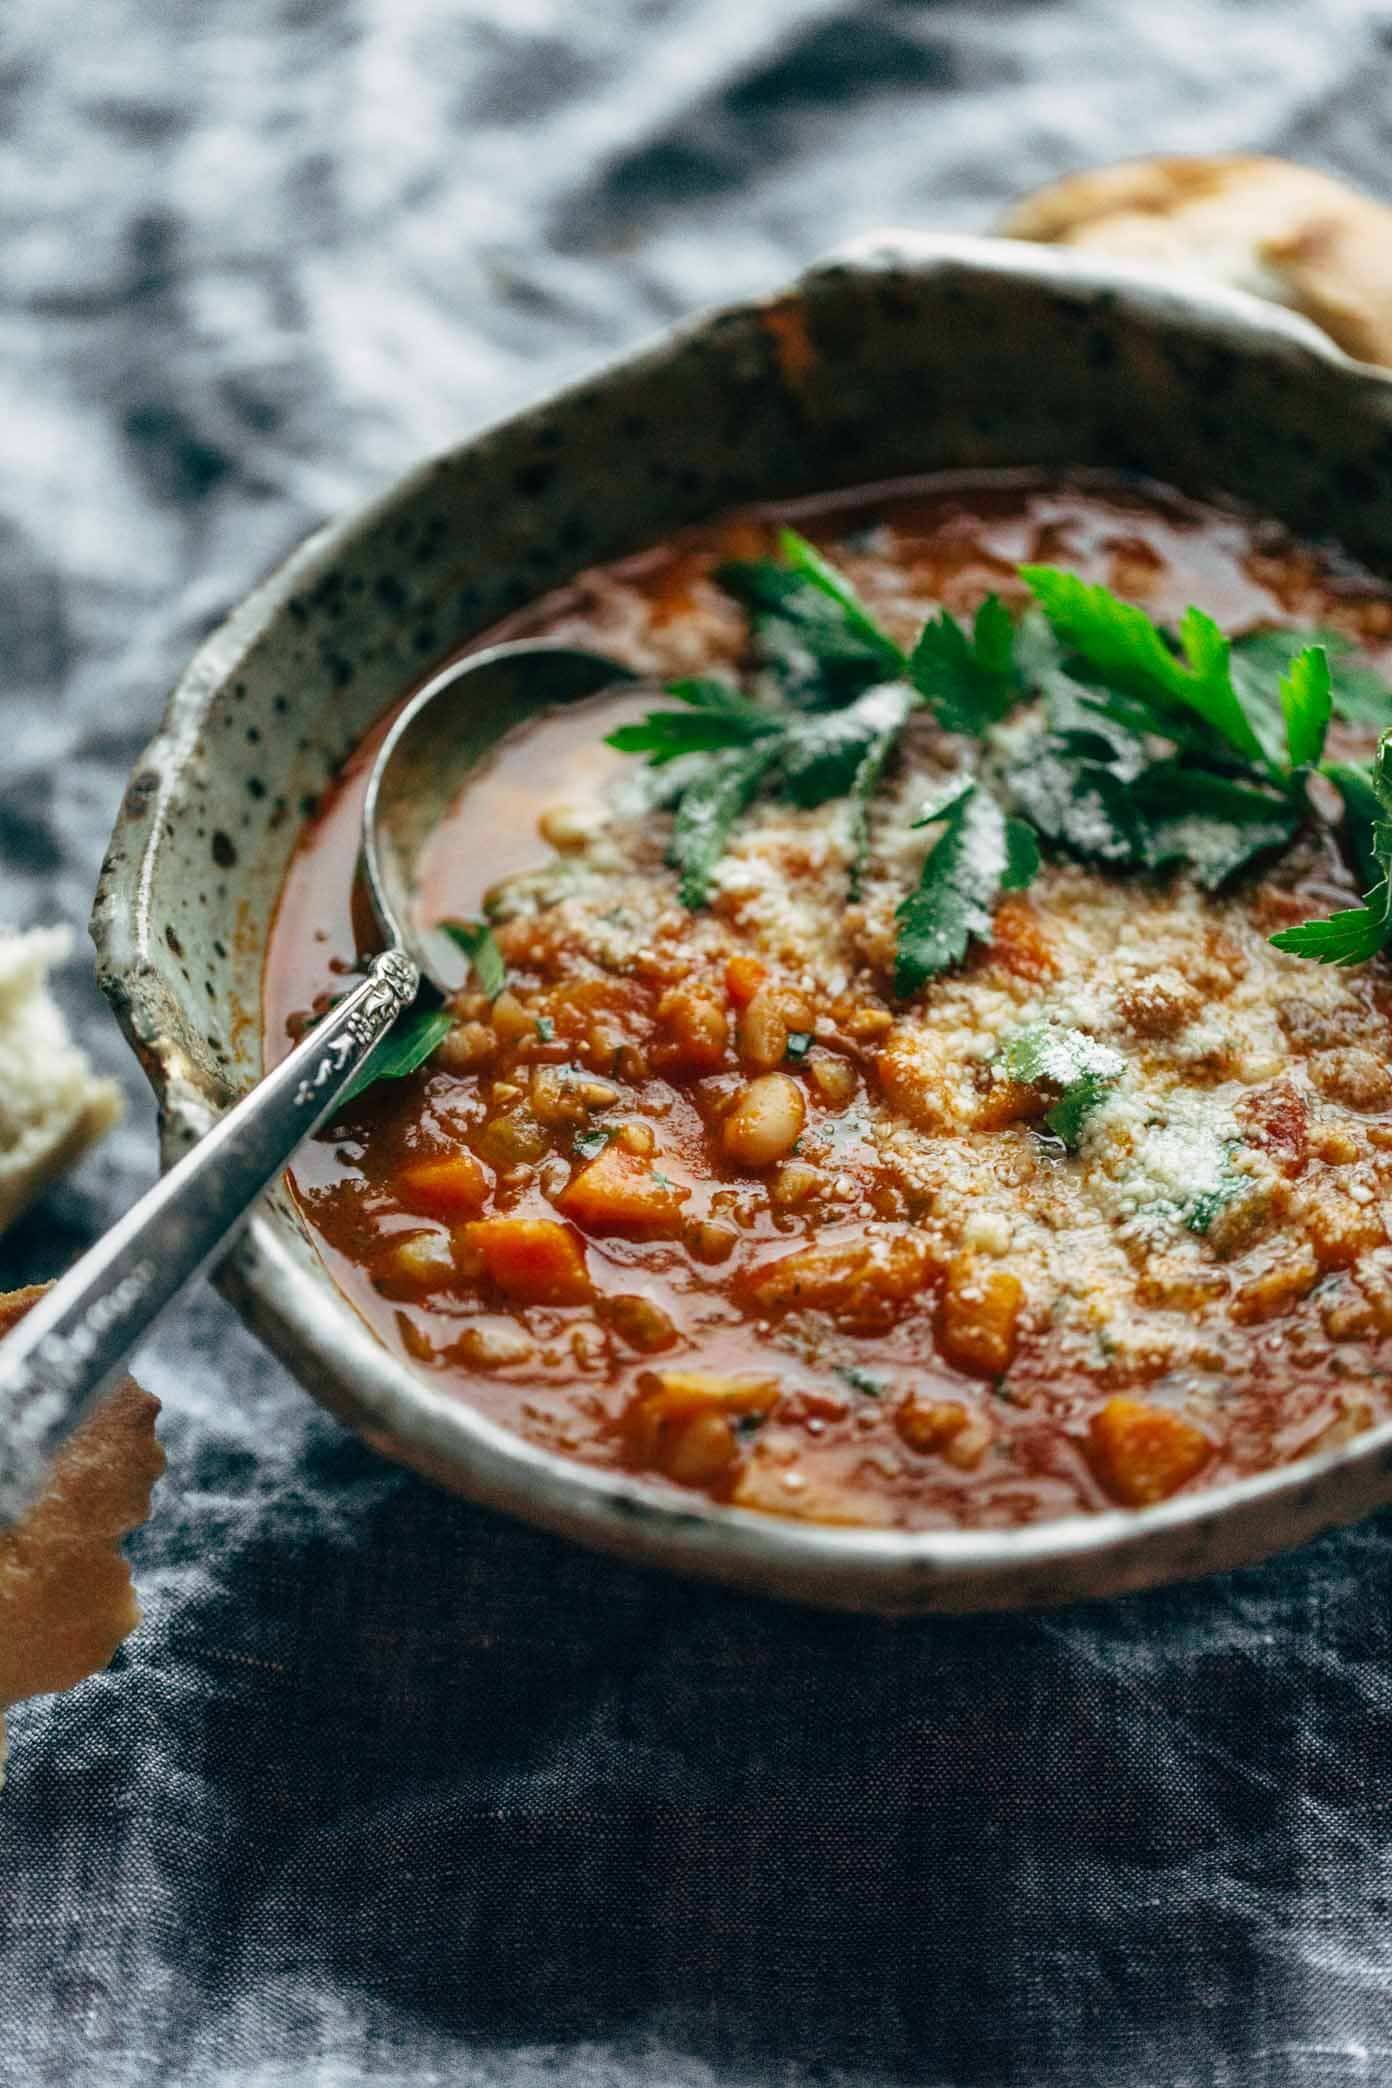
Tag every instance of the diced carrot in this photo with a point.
(1020, 942)
(694, 1031)
(928, 1424)
(1275, 1288)
(681, 1390)
(979, 1317)
(534, 1260)
(621, 1192)
(449, 1188)
(743, 978)
(1143, 1454)
(1009, 1102)
(862, 1284)
(917, 1082)
(1338, 1229)
(943, 1427)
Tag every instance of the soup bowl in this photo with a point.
(904, 354)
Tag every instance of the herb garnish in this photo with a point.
(1209, 1204)
(970, 682)
(415, 1038)
(405, 1047)
(979, 854)
(812, 637)
(862, 1380)
(809, 756)
(1359, 932)
(1050, 1054)
(1151, 750)
(476, 940)
(1149, 686)
(591, 1143)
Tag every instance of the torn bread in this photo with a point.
(52, 1107)
(66, 1600)
(1287, 233)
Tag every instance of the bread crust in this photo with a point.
(66, 1600)
(1287, 232)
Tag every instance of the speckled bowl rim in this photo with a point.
(315, 1329)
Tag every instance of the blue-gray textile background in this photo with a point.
(387, 1790)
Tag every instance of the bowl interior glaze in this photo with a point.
(904, 355)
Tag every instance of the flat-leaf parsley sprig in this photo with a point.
(979, 854)
(1359, 932)
(1149, 750)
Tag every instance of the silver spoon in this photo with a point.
(70, 1348)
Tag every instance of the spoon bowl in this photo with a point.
(432, 753)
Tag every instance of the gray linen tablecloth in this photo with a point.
(388, 1790)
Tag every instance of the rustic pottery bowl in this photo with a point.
(904, 354)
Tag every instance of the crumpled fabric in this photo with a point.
(389, 1790)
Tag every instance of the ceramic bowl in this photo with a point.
(903, 354)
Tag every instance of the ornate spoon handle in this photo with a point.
(70, 1348)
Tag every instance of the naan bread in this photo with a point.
(1285, 232)
(66, 1600)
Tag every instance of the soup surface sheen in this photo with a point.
(772, 1233)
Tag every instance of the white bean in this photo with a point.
(766, 1121)
(763, 1034)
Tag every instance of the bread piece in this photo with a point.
(66, 1600)
(51, 1106)
(1286, 232)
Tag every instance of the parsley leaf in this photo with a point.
(1073, 1108)
(1210, 1203)
(1245, 719)
(1050, 1054)
(1358, 932)
(1306, 705)
(811, 758)
(707, 812)
(591, 1143)
(974, 858)
(819, 654)
(1350, 937)
(1362, 812)
(805, 558)
(822, 757)
(1215, 826)
(1021, 856)
(1358, 693)
(861, 1380)
(1084, 781)
(1071, 778)
(1055, 1055)
(1128, 653)
(718, 717)
(970, 683)
(476, 940)
(863, 787)
(407, 1045)
(1382, 828)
